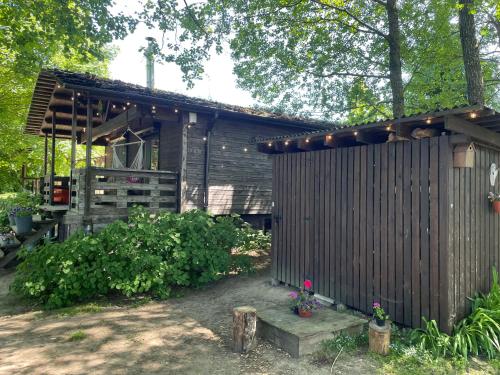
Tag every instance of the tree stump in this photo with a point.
(244, 327)
(379, 338)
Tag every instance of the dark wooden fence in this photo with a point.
(371, 223)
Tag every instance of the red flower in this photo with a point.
(308, 284)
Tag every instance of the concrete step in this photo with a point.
(299, 336)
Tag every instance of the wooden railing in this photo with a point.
(114, 191)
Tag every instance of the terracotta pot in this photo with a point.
(496, 207)
(305, 313)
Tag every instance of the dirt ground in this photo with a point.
(186, 335)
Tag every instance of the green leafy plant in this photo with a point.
(478, 333)
(149, 254)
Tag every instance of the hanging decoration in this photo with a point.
(138, 161)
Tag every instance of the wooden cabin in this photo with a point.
(395, 211)
(192, 153)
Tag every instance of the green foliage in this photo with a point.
(330, 58)
(149, 254)
(77, 336)
(330, 348)
(479, 333)
(22, 199)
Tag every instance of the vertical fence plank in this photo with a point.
(399, 240)
(434, 228)
(424, 230)
(385, 225)
(415, 234)
(378, 218)
(369, 228)
(407, 232)
(333, 225)
(443, 256)
(356, 228)
(344, 215)
(390, 257)
(338, 225)
(362, 213)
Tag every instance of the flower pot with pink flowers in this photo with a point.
(379, 314)
(495, 202)
(303, 302)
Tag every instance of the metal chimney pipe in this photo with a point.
(150, 64)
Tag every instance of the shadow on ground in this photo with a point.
(188, 335)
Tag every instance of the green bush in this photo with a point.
(148, 254)
(479, 333)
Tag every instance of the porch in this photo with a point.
(94, 196)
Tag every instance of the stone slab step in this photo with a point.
(299, 336)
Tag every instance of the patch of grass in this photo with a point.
(404, 358)
(331, 348)
(77, 336)
(88, 308)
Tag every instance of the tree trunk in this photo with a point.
(244, 327)
(395, 71)
(470, 51)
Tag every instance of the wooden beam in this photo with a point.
(459, 125)
(115, 123)
(367, 138)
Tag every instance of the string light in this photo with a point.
(135, 105)
(307, 140)
(58, 86)
(204, 138)
(189, 126)
(78, 94)
(428, 120)
(72, 98)
(114, 106)
(388, 128)
(473, 115)
(176, 110)
(270, 144)
(153, 108)
(124, 108)
(286, 143)
(355, 133)
(97, 114)
(128, 103)
(245, 149)
(224, 147)
(329, 137)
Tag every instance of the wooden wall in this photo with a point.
(367, 223)
(239, 180)
(474, 231)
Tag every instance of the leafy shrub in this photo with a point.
(150, 253)
(479, 333)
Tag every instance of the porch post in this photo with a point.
(88, 159)
(45, 155)
(73, 131)
(53, 159)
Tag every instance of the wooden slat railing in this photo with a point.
(114, 191)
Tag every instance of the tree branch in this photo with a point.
(350, 14)
(349, 74)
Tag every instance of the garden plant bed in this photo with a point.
(298, 336)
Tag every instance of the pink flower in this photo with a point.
(293, 295)
(376, 304)
(308, 284)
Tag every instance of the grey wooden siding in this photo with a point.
(239, 180)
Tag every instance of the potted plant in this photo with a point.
(303, 302)
(495, 201)
(7, 236)
(24, 219)
(379, 314)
